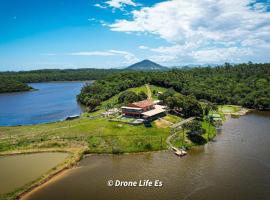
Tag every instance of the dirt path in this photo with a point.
(149, 93)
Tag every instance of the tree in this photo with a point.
(127, 97)
(195, 132)
(206, 110)
(92, 104)
(142, 96)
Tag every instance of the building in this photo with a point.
(136, 109)
(143, 109)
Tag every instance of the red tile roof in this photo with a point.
(142, 104)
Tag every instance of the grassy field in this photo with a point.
(229, 108)
(172, 118)
(99, 135)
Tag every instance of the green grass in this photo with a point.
(210, 130)
(173, 118)
(177, 141)
(139, 89)
(157, 89)
(79, 130)
(229, 108)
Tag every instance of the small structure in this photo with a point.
(215, 119)
(157, 102)
(72, 117)
(110, 112)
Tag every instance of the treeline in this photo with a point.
(13, 86)
(19, 79)
(46, 75)
(247, 85)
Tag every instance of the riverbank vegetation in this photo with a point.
(13, 86)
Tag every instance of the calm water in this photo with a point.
(52, 101)
(19, 170)
(235, 166)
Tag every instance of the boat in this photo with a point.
(180, 152)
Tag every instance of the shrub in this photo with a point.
(148, 146)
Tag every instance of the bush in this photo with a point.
(148, 146)
(117, 150)
(197, 139)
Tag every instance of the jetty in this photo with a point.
(174, 128)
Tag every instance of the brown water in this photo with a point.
(19, 170)
(235, 166)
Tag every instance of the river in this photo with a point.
(236, 165)
(51, 102)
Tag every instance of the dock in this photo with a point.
(177, 126)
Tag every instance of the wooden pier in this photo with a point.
(174, 127)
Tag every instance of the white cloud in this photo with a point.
(197, 28)
(99, 6)
(143, 47)
(116, 4)
(232, 54)
(120, 3)
(91, 19)
(128, 57)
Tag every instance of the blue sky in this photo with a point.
(115, 33)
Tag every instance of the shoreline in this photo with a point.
(75, 155)
(59, 174)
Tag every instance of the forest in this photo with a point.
(247, 84)
(16, 81)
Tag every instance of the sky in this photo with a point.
(116, 33)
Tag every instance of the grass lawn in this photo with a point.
(173, 118)
(177, 141)
(229, 108)
(157, 89)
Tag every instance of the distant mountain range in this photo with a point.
(146, 65)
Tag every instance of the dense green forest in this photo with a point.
(13, 86)
(20, 78)
(46, 75)
(244, 84)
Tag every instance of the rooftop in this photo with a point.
(157, 110)
(143, 104)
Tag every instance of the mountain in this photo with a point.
(146, 65)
